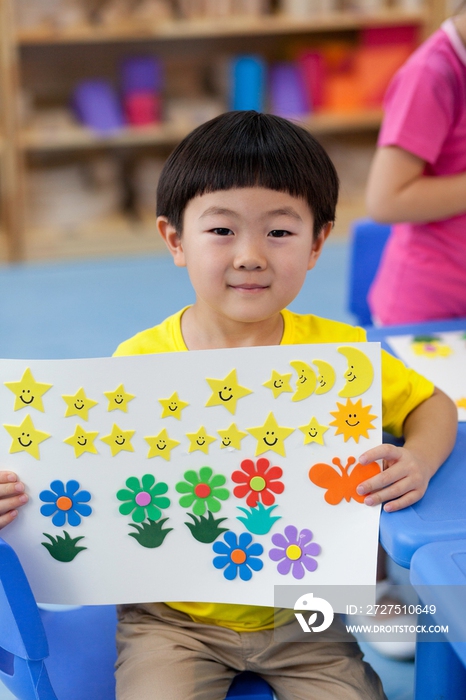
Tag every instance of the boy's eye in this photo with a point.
(279, 233)
(222, 231)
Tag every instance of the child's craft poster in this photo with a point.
(205, 476)
(441, 357)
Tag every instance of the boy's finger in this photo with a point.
(7, 518)
(6, 477)
(380, 481)
(385, 451)
(395, 490)
(13, 502)
(403, 502)
(10, 489)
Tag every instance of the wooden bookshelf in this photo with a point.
(182, 30)
(23, 146)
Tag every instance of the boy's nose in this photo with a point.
(250, 257)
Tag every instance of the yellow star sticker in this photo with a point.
(270, 436)
(119, 440)
(461, 403)
(161, 445)
(173, 406)
(82, 441)
(28, 392)
(278, 383)
(313, 432)
(200, 440)
(78, 405)
(26, 438)
(226, 392)
(231, 437)
(118, 399)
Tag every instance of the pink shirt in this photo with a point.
(422, 275)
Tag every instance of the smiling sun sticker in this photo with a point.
(353, 420)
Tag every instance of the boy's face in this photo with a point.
(247, 251)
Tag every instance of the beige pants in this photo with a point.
(164, 655)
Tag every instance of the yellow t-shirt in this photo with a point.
(402, 390)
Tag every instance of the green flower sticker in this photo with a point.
(202, 489)
(143, 499)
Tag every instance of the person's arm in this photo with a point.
(12, 497)
(398, 191)
(430, 434)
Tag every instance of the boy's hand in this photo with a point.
(407, 470)
(402, 482)
(12, 497)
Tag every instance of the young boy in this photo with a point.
(246, 203)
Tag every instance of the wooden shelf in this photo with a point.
(113, 235)
(81, 138)
(205, 29)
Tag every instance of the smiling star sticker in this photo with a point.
(270, 436)
(313, 432)
(28, 392)
(118, 399)
(200, 440)
(226, 392)
(26, 438)
(161, 445)
(78, 405)
(82, 441)
(278, 383)
(119, 440)
(173, 406)
(231, 437)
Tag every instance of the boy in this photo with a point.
(246, 203)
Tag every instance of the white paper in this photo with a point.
(443, 362)
(114, 567)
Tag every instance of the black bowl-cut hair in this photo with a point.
(248, 149)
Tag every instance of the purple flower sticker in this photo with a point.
(294, 552)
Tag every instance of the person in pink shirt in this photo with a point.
(418, 183)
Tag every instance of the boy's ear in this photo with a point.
(318, 244)
(172, 240)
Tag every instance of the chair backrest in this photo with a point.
(367, 241)
(23, 641)
(79, 646)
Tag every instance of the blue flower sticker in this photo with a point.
(65, 502)
(237, 554)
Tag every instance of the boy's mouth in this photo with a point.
(249, 287)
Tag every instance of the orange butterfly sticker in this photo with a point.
(342, 485)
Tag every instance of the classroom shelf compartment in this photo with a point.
(233, 27)
(81, 138)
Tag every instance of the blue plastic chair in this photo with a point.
(438, 573)
(78, 644)
(367, 241)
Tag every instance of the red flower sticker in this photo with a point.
(258, 481)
